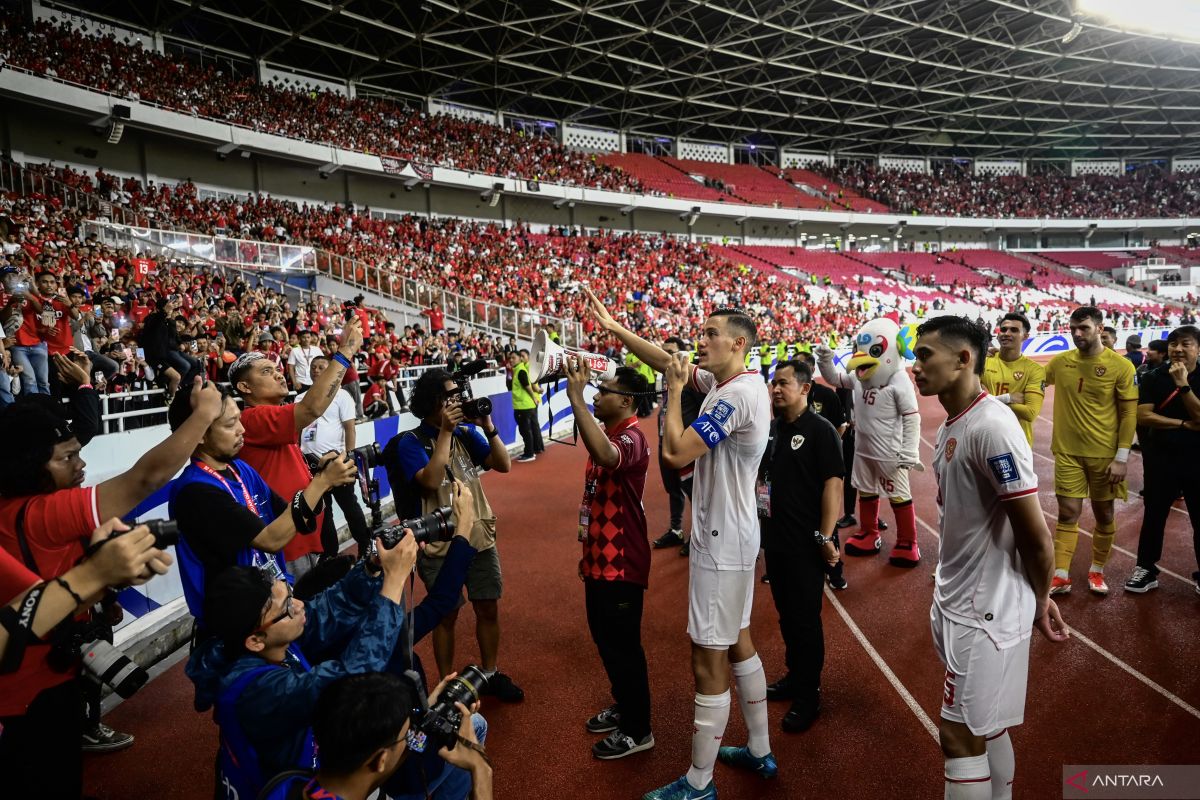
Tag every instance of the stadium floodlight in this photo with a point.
(1178, 19)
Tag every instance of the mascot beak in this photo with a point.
(863, 365)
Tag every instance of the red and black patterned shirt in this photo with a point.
(617, 547)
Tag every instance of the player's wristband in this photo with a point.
(1005, 398)
(341, 359)
(84, 386)
(1122, 455)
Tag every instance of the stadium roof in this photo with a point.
(958, 78)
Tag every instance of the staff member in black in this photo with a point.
(1170, 410)
(799, 498)
(827, 402)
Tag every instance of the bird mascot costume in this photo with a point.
(887, 430)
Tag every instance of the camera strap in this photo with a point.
(22, 542)
(19, 624)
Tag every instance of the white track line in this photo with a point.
(905, 695)
(1075, 634)
(1054, 518)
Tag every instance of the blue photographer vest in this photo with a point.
(239, 775)
(252, 491)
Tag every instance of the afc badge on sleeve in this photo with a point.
(1004, 467)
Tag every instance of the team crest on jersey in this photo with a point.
(797, 441)
(950, 447)
(1100, 371)
(1018, 375)
(816, 407)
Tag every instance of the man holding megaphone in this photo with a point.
(726, 442)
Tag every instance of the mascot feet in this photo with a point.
(863, 544)
(906, 555)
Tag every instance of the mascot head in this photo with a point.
(880, 348)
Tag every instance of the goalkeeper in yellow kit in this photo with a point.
(1013, 379)
(1095, 412)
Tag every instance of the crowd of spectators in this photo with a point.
(124, 68)
(102, 307)
(657, 284)
(370, 125)
(954, 190)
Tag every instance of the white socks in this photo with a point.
(752, 697)
(711, 716)
(968, 779)
(1003, 764)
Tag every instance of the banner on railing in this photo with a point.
(393, 166)
(424, 171)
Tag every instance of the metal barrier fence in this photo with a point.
(249, 257)
(149, 406)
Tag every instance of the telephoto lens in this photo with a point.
(436, 526)
(440, 723)
(105, 664)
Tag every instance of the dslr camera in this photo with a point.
(472, 407)
(436, 526)
(104, 664)
(437, 725)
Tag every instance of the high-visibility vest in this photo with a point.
(766, 355)
(522, 398)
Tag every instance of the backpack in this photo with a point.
(238, 773)
(406, 494)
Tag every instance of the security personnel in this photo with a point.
(799, 499)
(766, 359)
(525, 397)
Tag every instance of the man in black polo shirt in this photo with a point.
(828, 403)
(799, 498)
(1170, 411)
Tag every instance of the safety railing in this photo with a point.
(17, 178)
(149, 406)
(253, 258)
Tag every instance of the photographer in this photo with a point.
(40, 731)
(226, 513)
(333, 432)
(425, 774)
(613, 522)
(272, 428)
(362, 724)
(46, 513)
(419, 464)
(254, 672)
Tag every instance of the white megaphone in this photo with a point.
(549, 361)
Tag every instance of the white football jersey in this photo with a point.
(983, 459)
(734, 421)
(878, 432)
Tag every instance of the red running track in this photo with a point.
(1083, 706)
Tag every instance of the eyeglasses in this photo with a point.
(288, 611)
(602, 390)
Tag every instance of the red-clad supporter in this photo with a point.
(371, 125)
(273, 429)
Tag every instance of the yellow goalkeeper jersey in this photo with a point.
(1086, 398)
(1023, 375)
